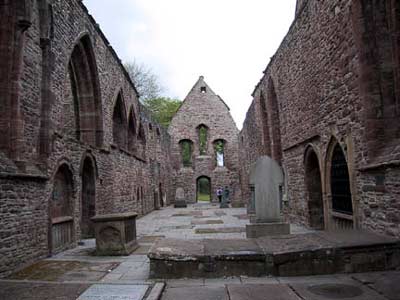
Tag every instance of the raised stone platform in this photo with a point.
(285, 255)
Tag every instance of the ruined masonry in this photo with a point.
(76, 143)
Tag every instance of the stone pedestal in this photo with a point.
(115, 234)
(257, 230)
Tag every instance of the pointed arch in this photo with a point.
(119, 123)
(265, 125)
(202, 130)
(338, 187)
(61, 207)
(132, 134)
(276, 145)
(313, 185)
(85, 88)
(88, 196)
(15, 19)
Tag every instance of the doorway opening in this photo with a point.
(203, 192)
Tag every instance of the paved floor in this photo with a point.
(365, 286)
(68, 274)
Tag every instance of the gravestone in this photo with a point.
(267, 178)
(109, 291)
(180, 199)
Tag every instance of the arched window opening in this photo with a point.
(340, 183)
(141, 138)
(86, 93)
(119, 123)
(186, 147)
(203, 137)
(61, 210)
(219, 147)
(275, 123)
(132, 132)
(265, 126)
(204, 189)
(314, 190)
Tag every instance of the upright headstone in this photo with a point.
(180, 200)
(267, 177)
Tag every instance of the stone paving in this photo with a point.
(69, 274)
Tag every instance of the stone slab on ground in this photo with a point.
(177, 250)
(220, 230)
(261, 292)
(195, 293)
(233, 249)
(336, 291)
(386, 283)
(40, 291)
(287, 255)
(113, 291)
(54, 270)
(355, 238)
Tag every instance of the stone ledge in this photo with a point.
(113, 217)
(284, 255)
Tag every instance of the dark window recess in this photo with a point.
(203, 89)
(340, 183)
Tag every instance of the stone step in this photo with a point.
(285, 255)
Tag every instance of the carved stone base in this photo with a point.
(180, 204)
(115, 234)
(257, 230)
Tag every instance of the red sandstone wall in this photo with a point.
(208, 109)
(48, 137)
(335, 78)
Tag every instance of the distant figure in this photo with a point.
(226, 194)
(219, 194)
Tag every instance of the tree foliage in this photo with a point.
(203, 139)
(162, 109)
(146, 82)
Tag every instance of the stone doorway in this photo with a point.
(61, 208)
(203, 192)
(88, 198)
(314, 191)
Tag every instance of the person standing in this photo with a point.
(226, 194)
(219, 194)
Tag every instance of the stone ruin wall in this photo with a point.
(127, 179)
(332, 83)
(208, 109)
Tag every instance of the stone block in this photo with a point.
(115, 234)
(180, 204)
(257, 230)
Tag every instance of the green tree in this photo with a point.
(162, 109)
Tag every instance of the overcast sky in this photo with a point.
(229, 42)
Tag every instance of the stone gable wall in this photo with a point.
(208, 109)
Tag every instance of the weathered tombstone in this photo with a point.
(115, 234)
(180, 200)
(225, 198)
(267, 177)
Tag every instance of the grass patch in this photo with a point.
(203, 197)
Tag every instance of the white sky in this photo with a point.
(229, 42)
